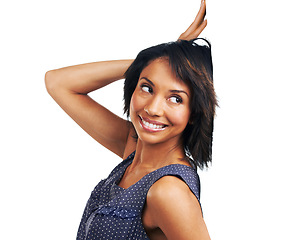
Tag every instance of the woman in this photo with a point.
(154, 192)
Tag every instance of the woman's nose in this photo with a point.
(154, 107)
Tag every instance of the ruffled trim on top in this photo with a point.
(117, 211)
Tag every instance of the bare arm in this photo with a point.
(69, 87)
(173, 208)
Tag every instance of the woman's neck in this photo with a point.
(155, 156)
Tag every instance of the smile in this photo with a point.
(151, 126)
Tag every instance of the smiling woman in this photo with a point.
(174, 80)
(154, 107)
(169, 96)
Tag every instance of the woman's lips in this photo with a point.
(151, 126)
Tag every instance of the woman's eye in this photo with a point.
(175, 99)
(146, 88)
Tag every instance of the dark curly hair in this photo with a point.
(192, 63)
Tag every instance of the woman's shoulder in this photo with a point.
(169, 187)
(171, 203)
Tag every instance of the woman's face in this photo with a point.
(160, 105)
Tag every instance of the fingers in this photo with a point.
(199, 29)
(194, 34)
(199, 17)
(198, 24)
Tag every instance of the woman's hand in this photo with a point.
(197, 26)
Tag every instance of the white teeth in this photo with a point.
(153, 126)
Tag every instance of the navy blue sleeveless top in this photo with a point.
(113, 212)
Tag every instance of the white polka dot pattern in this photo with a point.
(113, 212)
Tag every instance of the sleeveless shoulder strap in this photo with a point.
(134, 197)
(185, 173)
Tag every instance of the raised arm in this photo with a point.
(69, 87)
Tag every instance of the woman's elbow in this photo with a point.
(50, 80)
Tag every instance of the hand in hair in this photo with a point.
(197, 26)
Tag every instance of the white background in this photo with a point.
(49, 165)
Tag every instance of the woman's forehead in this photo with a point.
(159, 72)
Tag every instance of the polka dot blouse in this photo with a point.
(113, 212)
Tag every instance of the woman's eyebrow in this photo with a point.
(179, 91)
(147, 80)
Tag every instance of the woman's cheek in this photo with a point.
(136, 106)
(179, 117)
